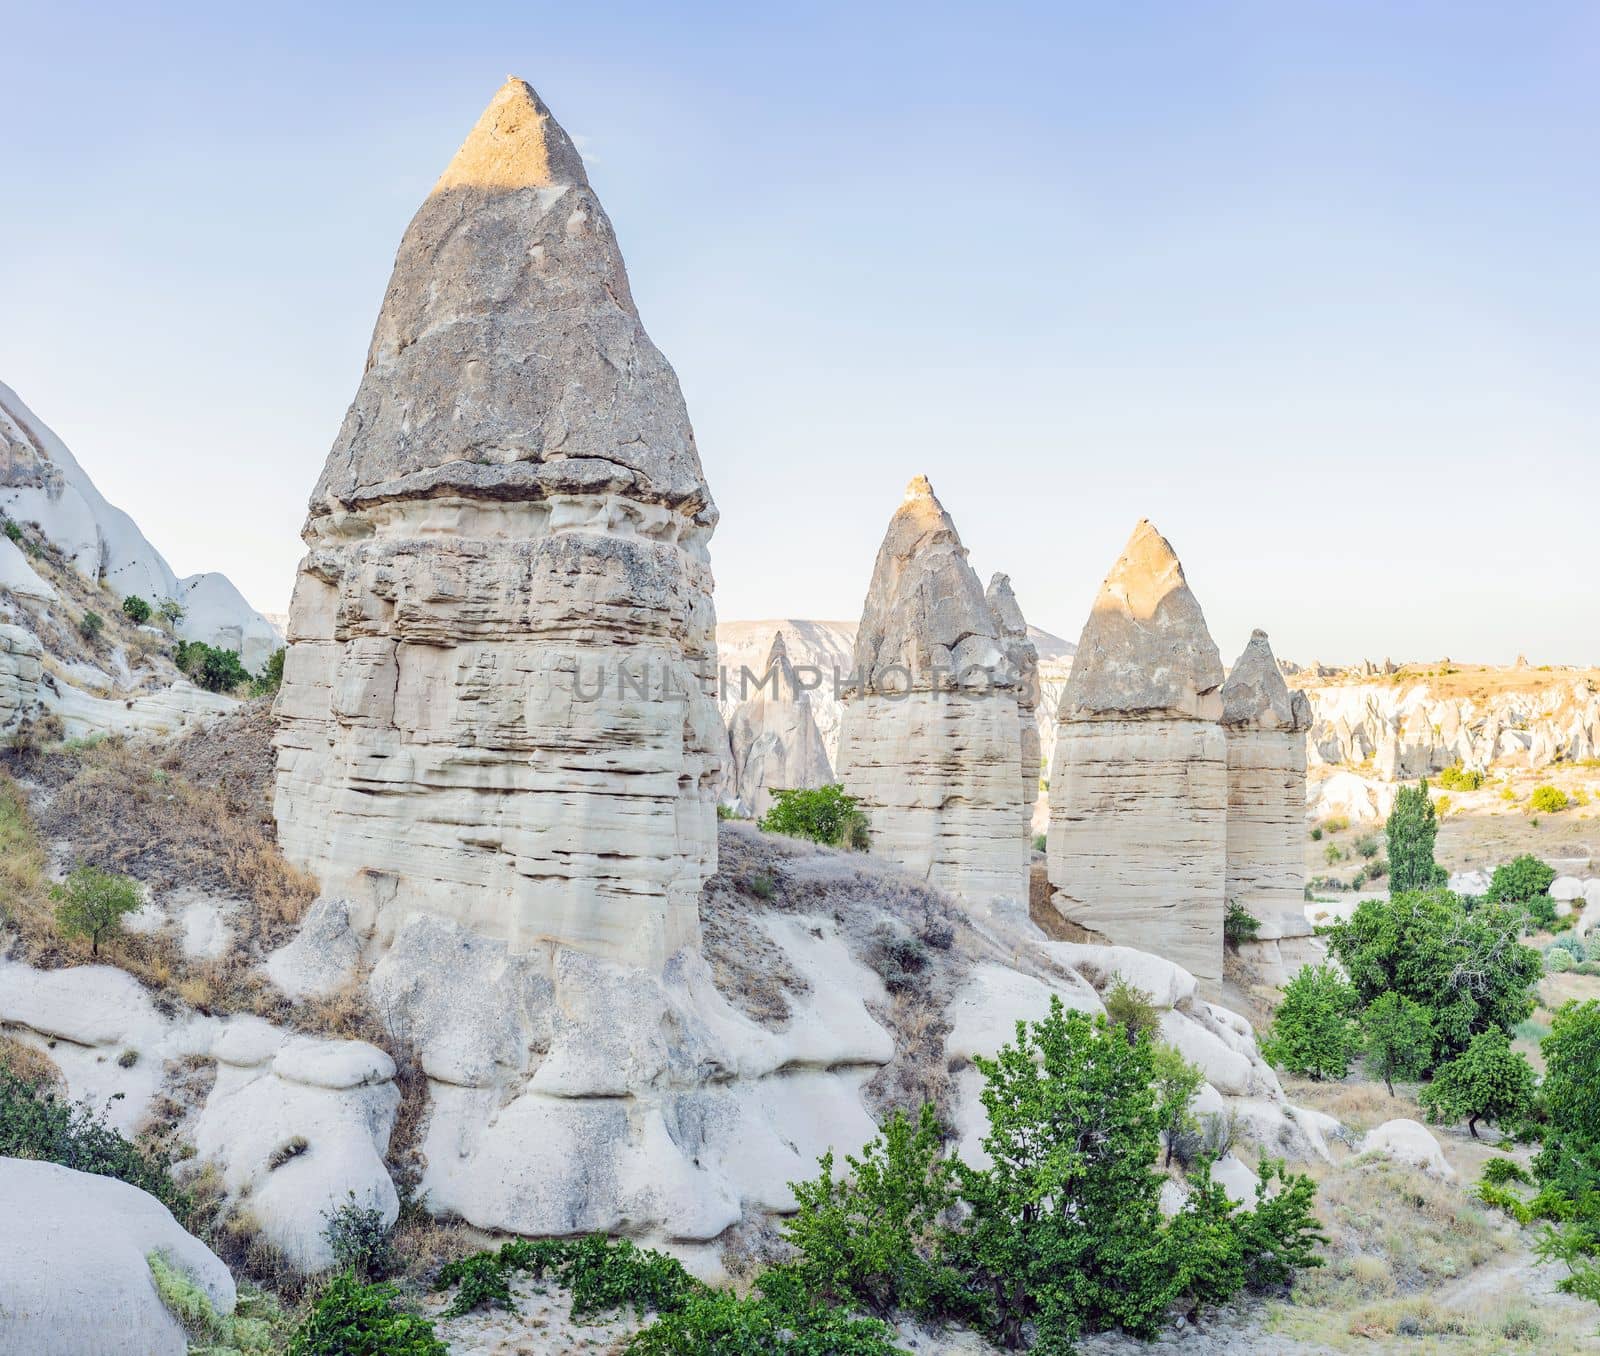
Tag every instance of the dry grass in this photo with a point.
(123, 814)
(1393, 1231)
(25, 1062)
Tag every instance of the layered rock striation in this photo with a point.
(1265, 726)
(494, 706)
(930, 740)
(1137, 841)
(773, 739)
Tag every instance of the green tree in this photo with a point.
(1176, 1083)
(1570, 1158)
(1411, 829)
(872, 1237)
(136, 609)
(1488, 1082)
(1468, 970)
(1520, 880)
(91, 903)
(1239, 924)
(1066, 1227)
(270, 679)
(171, 612)
(1314, 1030)
(208, 667)
(1397, 1039)
(824, 814)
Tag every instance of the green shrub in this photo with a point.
(1548, 800)
(762, 885)
(208, 667)
(717, 1323)
(1239, 925)
(270, 679)
(871, 1237)
(1556, 962)
(1458, 778)
(1397, 1039)
(136, 609)
(1489, 1081)
(1411, 829)
(1367, 845)
(91, 903)
(1331, 854)
(359, 1239)
(1314, 1030)
(1336, 823)
(1519, 880)
(352, 1318)
(36, 1123)
(1130, 1009)
(824, 814)
(1465, 969)
(485, 1281)
(1500, 1171)
(1039, 842)
(1573, 946)
(1316, 835)
(237, 1334)
(1539, 914)
(90, 625)
(13, 530)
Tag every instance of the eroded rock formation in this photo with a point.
(1138, 786)
(930, 741)
(1265, 725)
(773, 739)
(493, 706)
(1023, 657)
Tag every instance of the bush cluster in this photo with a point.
(1458, 778)
(824, 814)
(208, 667)
(1548, 800)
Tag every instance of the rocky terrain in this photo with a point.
(67, 556)
(447, 946)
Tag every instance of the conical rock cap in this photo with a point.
(1145, 650)
(924, 609)
(1256, 693)
(508, 361)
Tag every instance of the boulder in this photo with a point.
(1567, 888)
(1408, 1142)
(322, 957)
(74, 1279)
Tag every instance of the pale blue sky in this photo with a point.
(1313, 286)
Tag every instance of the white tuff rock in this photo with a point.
(931, 742)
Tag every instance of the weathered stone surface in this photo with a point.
(74, 1280)
(1023, 657)
(1138, 788)
(492, 706)
(1265, 725)
(21, 666)
(931, 743)
(773, 739)
(1409, 1142)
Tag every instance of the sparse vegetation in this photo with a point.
(1458, 778)
(352, 1318)
(270, 679)
(1548, 800)
(208, 667)
(824, 814)
(91, 903)
(90, 625)
(1239, 925)
(359, 1239)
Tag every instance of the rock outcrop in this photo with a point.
(75, 1280)
(493, 707)
(1138, 787)
(1265, 725)
(21, 667)
(1023, 656)
(930, 740)
(773, 739)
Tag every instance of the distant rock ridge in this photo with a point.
(1023, 656)
(774, 742)
(42, 482)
